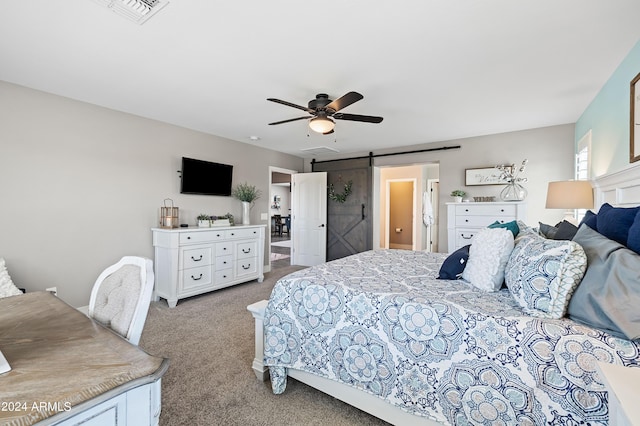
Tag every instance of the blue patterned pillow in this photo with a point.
(542, 274)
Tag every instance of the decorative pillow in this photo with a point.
(547, 231)
(454, 264)
(7, 288)
(542, 274)
(511, 226)
(633, 238)
(566, 231)
(590, 219)
(614, 222)
(609, 295)
(488, 256)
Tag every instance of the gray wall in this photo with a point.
(550, 151)
(82, 185)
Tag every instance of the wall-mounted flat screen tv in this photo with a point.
(205, 177)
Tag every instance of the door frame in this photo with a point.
(413, 210)
(273, 169)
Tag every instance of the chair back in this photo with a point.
(121, 296)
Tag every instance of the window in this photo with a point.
(583, 164)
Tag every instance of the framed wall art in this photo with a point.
(483, 176)
(634, 121)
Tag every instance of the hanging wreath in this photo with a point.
(341, 198)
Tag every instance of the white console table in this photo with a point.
(191, 261)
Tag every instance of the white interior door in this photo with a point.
(308, 218)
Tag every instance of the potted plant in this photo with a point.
(457, 195)
(204, 221)
(247, 194)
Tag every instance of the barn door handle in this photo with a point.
(363, 212)
(321, 226)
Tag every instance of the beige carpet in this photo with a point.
(209, 341)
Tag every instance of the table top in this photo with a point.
(60, 359)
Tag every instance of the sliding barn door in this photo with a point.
(349, 223)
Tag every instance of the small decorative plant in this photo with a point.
(246, 192)
(458, 193)
(203, 216)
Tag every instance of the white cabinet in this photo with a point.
(191, 261)
(464, 220)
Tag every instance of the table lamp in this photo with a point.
(570, 195)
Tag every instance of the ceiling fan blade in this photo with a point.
(289, 120)
(278, 101)
(345, 101)
(357, 117)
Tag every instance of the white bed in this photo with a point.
(537, 390)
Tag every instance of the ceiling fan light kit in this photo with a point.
(322, 124)
(324, 112)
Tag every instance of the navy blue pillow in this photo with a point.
(614, 222)
(633, 239)
(453, 265)
(590, 219)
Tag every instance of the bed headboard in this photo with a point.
(620, 189)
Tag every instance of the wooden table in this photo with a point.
(65, 367)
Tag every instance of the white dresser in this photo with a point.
(191, 261)
(464, 220)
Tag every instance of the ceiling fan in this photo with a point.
(324, 111)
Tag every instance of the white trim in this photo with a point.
(620, 188)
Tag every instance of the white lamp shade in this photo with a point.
(321, 124)
(570, 194)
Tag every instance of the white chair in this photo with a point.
(121, 296)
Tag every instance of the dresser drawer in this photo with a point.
(200, 237)
(247, 266)
(464, 236)
(481, 221)
(224, 262)
(246, 249)
(195, 257)
(235, 234)
(223, 249)
(196, 277)
(223, 277)
(469, 209)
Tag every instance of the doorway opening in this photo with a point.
(407, 206)
(279, 223)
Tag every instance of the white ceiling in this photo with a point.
(434, 69)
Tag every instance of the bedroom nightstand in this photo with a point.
(624, 393)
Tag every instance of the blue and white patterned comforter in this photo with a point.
(381, 322)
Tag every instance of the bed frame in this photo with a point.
(620, 189)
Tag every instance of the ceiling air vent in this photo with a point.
(136, 10)
(319, 150)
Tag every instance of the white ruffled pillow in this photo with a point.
(488, 257)
(7, 288)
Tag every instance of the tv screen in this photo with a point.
(205, 177)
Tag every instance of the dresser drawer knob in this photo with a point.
(502, 210)
(246, 251)
(196, 279)
(246, 267)
(465, 237)
(196, 260)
